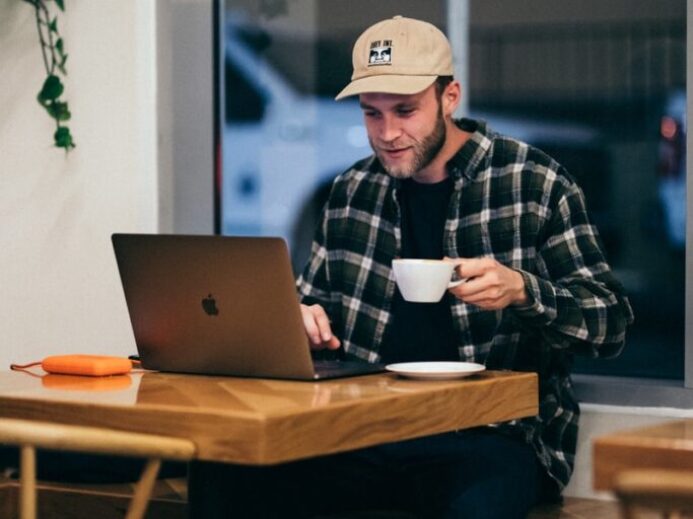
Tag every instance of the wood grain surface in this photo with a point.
(665, 446)
(261, 421)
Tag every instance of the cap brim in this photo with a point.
(387, 84)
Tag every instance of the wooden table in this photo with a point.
(262, 422)
(665, 446)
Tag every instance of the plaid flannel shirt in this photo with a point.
(510, 202)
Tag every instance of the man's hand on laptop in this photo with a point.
(318, 328)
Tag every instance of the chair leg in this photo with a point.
(143, 490)
(27, 479)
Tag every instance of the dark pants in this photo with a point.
(477, 473)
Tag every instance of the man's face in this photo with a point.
(406, 132)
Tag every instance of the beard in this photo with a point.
(424, 151)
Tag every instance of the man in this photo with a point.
(538, 291)
(538, 288)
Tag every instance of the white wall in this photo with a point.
(58, 279)
(185, 114)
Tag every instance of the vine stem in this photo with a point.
(42, 40)
(43, 24)
(52, 59)
(51, 46)
(46, 27)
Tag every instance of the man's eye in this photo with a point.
(369, 113)
(405, 111)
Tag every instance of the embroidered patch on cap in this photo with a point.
(381, 53)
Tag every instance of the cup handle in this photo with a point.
(457, 282)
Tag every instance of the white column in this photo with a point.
(458, 34)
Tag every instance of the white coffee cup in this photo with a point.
(424, 280)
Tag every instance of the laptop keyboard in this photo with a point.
(344, 368)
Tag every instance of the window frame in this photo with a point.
(688, 352)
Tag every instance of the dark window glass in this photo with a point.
(598, 85)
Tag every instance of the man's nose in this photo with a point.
(390, 129)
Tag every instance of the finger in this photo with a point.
(473, 267)
(321, 335)
(490, 298)
(457, 278)
(323, 323)
(333, 343)
(311, 325)
(470, 288)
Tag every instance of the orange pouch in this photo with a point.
(91, 365)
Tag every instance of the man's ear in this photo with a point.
(451, 98)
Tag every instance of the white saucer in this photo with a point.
(435, 370)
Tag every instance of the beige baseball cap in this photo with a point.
(398, 56)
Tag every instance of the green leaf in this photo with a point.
(61, 4)
(51, 90)
(63, 138)
(53, 26)
(59, 46)
(59, 111)
(61, 65)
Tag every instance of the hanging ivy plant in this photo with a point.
(54, 58)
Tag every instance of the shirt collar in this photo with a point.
(465, 162)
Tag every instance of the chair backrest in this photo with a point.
(670, 492)
(29, 435)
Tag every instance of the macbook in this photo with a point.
(219, 305)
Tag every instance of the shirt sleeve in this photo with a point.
(575, 300)
(313, 284)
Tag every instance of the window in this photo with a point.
(600, 86)
(615, 83)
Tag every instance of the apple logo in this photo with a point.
(209, 305)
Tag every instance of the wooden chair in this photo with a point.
(29, 435)
(670, 492)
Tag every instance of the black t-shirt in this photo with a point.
(421, 331)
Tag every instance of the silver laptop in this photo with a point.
(219, 305)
